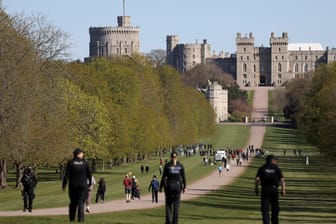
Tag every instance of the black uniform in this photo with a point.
(174, 181)
(78, 173)
(29, 182)
(270, 176)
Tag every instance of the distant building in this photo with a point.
(250, 65)
(218, 98)
(278, 63)
(112, 41)
(186, 56)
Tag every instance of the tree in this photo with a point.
(157, 57)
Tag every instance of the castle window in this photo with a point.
(282, 57)
(125, 50)
(296, 68)
(194, 63)
(244, 76)
(306, 57)
(248, 58)
(305, 67)
(276, 57)
(296, 57)
(254, 68)
(244, 49)
(279, 67)
(241, 57)
(244, 67)
(279, 49)
(279, 76)
(316, 57)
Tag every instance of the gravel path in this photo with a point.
(194, 190)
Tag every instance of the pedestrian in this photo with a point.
(100, 196)
(29, 182)
(77, 172)
(142, 169)
(134, 186)
(220, 169)
(147, 169)
(307, 160)
(270, 175)
(128, 187)
(154, 186)
(174, 181)
(160, 169)
(89, 195)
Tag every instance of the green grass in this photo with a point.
(234, 136)
(49, 193)
(311, 194)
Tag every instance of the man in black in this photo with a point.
(78, 173)
(270, 176)
(174, 181)
(29, 182)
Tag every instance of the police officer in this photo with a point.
(270, 175)
(174, 181)
(29, 182)
(77, 173)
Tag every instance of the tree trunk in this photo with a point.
(18, 170)
(3, 173)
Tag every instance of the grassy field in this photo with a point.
(311, 194)
(49, 194)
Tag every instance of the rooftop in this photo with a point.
(305, 47)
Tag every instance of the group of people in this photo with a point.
(79, 178)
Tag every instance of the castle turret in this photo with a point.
(279, 60)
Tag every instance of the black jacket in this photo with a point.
(78, 173)
(173, 174)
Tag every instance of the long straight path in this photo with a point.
(203, 186)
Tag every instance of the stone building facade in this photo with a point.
(218, 98)
(186, 56)
(111, 41)
(251, 65)
(282, 61)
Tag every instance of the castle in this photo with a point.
(109, 41)
(253, 66)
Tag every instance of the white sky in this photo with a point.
(218, 21)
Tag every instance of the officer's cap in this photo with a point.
(269, 158)
(77, 151)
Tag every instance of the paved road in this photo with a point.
(196, 189)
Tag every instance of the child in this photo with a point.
(101, 190)
(220, 169)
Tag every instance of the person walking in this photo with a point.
(79, 175)
(29, 182)
(100, 196)
(128, 187)
(89, 195)
(270, 175)
(154, 186)
(174, 181)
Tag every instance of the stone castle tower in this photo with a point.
(111, 41)
(218, 98)
(186, 56)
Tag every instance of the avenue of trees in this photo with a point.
(311, 105)
(112, 108)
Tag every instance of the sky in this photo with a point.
(218, 21)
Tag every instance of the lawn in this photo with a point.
(49, 193)
(311, 193)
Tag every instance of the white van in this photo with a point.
(219, 155)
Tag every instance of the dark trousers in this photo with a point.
(173, 195)
(270, 197)
(155, 196)
(77, 196)
(28, 197)
(100, 195)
